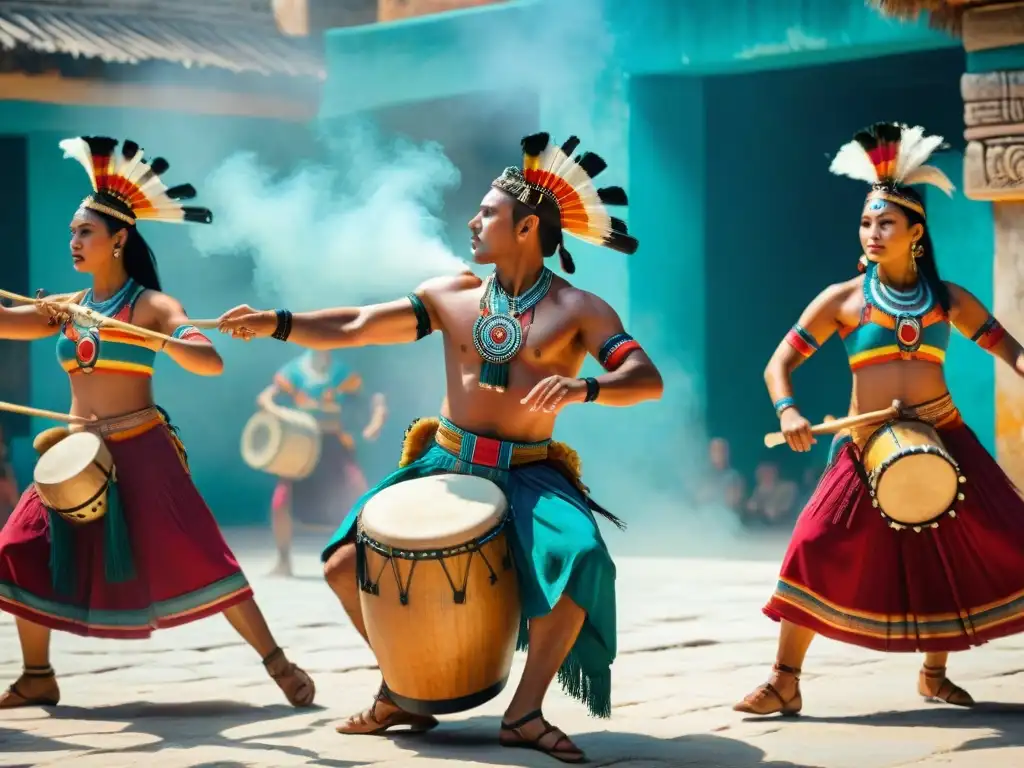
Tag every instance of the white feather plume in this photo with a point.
(929, 174)
(914, 151)
(851, 160)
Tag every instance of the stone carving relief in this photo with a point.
(994, 118)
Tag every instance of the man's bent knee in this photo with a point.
(340, 568)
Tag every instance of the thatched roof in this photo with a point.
(239, 36)
(941, 15)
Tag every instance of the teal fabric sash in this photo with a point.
(558, 550)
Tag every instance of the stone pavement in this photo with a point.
(691, 641)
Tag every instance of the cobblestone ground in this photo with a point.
(691, 639)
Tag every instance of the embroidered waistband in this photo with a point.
(487, 451)
(940, 412)
(123, 427)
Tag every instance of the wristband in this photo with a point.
(593, 390)
(783, 403)
(284, 324)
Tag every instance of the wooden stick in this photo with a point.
(92, 315)
(827, 427)
(26, 411)
(205, 325)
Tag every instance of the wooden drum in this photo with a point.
(284, 442)
(439, 592)
(72, 476)
(912, 477)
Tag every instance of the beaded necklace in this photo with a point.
(87, 347)
(906, 308)
(497, 333)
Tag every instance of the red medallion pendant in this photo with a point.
(908, 333)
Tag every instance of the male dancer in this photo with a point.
(513, 347)
(318, 383)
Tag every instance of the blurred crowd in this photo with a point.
(768, 500)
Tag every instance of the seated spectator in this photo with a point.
(773, 501)
(721, 485)
(8, 483)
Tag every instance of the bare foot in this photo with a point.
(383, 715)
(37, 687)
(532, 731)
(298, 687)
(283, 568)
(781, 694)
(932, 683)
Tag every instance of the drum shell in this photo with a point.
(912, 475)
(285, 444)
(78, 496)
(437, 655)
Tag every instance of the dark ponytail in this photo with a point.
(139, 261)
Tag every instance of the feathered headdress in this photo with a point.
(560, 188)
(127, 186)
(890, 156)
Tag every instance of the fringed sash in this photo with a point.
(118, 560)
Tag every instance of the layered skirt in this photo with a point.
(180, 568)
(849, 576)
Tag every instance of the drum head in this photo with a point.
(918, 488)
(433, 512)
(68, 458)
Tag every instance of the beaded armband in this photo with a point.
(614, 351)
(990, 333)
(422, 317)
(189, 333)
(782, 404)
(802, 341)
(284, 325)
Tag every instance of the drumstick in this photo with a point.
(205, 325)
(26, 411)
(96, 317)
(836, 425)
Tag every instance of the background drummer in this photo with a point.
(318, 383)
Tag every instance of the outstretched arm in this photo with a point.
(394, 322)
(816, 324)
(978, 324)
(190, 348)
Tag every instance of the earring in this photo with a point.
(117, 253)
(916, 252)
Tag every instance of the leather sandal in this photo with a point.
(297, 686)
(16, 696)
(367, 723)
(766, 699)
(947, 691)
(569, 753)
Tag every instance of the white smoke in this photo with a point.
(365, 229)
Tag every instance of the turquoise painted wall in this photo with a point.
(209, 412)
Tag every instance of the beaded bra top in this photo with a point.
(84, 348)
(897, 325)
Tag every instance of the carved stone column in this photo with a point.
(993, 93)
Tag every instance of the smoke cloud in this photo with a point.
(366, 228)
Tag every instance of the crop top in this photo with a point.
(316, 391)
(897, 325)
(82, 348)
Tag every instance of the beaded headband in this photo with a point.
(127, 187)
(890, 156)
(561, 190)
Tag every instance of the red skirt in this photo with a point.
(323, 499)
(184, 570)
(849, 576)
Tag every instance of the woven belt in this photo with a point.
(487, 451)
(133, 423)
(941, 413)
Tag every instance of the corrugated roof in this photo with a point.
(941, 14)
(235, 35)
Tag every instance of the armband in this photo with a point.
(189, 333)
(284, 325)
(422, 317)
(783, 403)
(614, 351)
(802, 341)
(990, 333)
(593, 389)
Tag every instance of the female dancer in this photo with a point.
(849, 574)
(317, 383)
(156, 559)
